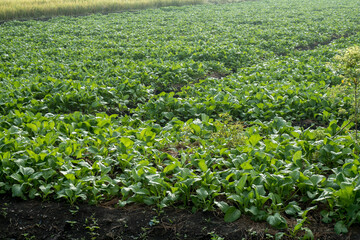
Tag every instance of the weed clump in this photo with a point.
(348, 66)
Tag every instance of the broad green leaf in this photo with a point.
(14, 130)
(311, 195)
(204, 118)
(69, 192)
(297, 156)
(229, 176)
(42, 156)
(70, 176)
(202, 165)
(292, 209)
(93, 150)
(232, 214)
(26, 171)
(299, 225)
(277, 221)
(316, 179)
(196, 128)
(68, 150)
(147, 135)
(222, 205)
(279, 123)
(242, 182)
(308, 234)
(17, 177)
(259, 189)
(202, 193)
(254, 139)
(47, 173)
(138, 189)
(326, 216)
(296, 134)
(168, 115)
(149, 200)
(45, 188)
(258, 215)
(340, 227)
(104, 169)
(32, 126)
(170, 167)
(127, 142)
(17, 191)
(141, 191)
(295, 175)
(333, 128)
(33, 193)
(247, 165)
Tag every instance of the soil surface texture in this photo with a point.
(33, 219)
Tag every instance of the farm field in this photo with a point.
(43, 9)
(230, 109)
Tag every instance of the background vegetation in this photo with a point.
(25, 9)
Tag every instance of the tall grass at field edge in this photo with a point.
(28, 9)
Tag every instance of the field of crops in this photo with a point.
(231, 107)
(27, 9)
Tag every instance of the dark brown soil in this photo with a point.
(307, 123)
(56, 220)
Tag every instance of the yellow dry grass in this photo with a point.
(25, 9)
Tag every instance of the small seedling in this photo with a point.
(214, 236)
(28, 237)
(3, 211)
(72, 223)
(74, 211)
(92, 225)
(154, 221)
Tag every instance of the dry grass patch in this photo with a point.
(24, 9)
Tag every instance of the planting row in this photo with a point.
(233, 106)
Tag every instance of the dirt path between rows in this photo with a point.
(57, 220)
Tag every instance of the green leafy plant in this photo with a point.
(215, 236)
(348, 62)
(226, 111)
(92, 226)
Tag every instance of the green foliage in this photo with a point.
(277, 221)
(348, 61)
(226, 111)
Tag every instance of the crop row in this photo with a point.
(228, 106)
